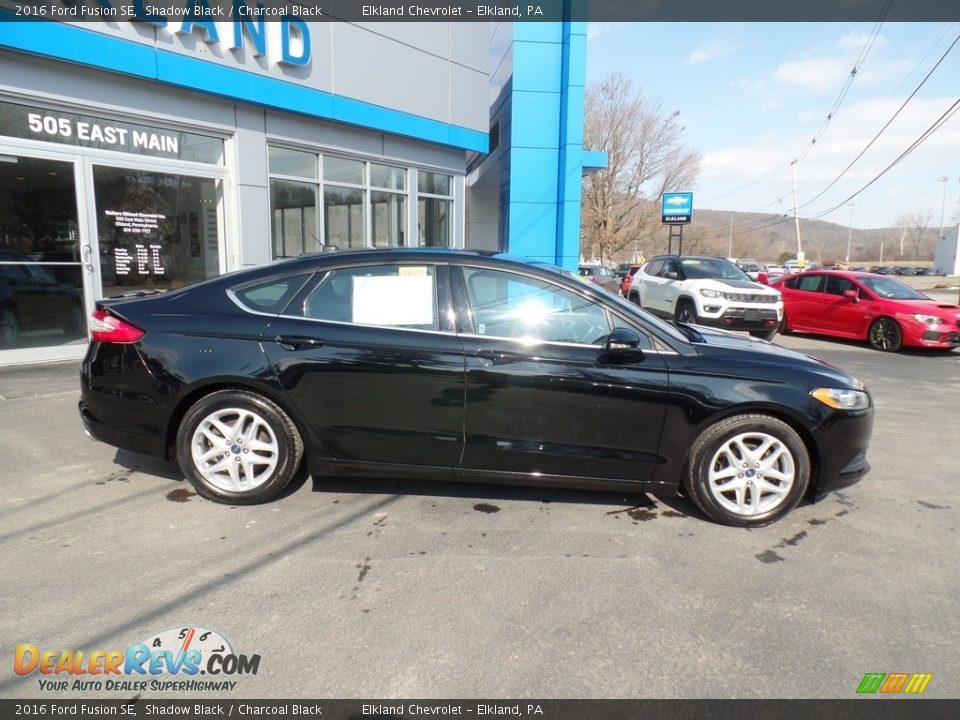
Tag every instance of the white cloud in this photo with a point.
(596, 29)
(858, 40)
(816, 73)
(712, 50)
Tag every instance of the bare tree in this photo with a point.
(645, 158)
(913, 227)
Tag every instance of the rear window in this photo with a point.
(271, 296)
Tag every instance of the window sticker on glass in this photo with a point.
(393, 300)
(411, 270)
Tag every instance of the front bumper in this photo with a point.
(740, 318)
(842, 440)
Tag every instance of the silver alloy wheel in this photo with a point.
(751, 473)
(235, 449)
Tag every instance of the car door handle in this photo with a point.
(500, 357)
(299, 342)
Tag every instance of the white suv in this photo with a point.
(707, 291)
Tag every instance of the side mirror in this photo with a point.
(623, 346)
(852, 295)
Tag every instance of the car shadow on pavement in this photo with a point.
(480, 491)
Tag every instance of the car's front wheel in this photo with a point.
(747, 470)
(885, 334)
(238, 447)
(686, 312)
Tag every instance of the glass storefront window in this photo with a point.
(294, 225)
(342, 170)
(433, 220)
(388, 216)
(433, 183)
(384, 176)
(155, 230)
(293, 162)
(41, 278)
(343, 215)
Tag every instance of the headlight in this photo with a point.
(710, 293)
(928, 319)
(842, 399)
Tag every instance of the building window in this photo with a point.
(328, 201)
(434, 209)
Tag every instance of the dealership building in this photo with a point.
(149, 155)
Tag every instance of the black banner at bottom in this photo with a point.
(872, 708)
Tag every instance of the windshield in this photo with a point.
(699, 268)
(891, 289)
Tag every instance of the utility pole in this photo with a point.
(849, 234)
(796, 220)
(730, 241)
(943, 204)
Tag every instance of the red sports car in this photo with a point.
(863, 306)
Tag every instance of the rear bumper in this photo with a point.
(118, 438)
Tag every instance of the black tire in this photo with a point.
(716, 450)
(686, 312)
(885, 335)
(9, 327)
(765, 334)
(635, 298)
(263, 423)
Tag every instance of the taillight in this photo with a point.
(109, 329)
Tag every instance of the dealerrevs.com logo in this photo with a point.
(172, 660)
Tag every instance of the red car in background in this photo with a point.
(880, 309)
(627, 279)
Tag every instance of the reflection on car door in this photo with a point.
(369, 357)
(841, 314)
(540, 397)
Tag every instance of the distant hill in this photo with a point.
(769, 237)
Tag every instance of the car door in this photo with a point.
(803, 299)
(841, 314)
(369, 356)
(541, 398)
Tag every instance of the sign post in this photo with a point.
(676, 210)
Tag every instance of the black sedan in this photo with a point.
(460, 365)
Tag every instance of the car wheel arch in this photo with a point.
(777, 412)
(208, 387)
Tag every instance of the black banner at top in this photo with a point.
(169, 11)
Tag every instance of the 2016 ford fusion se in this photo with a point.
(463, 365)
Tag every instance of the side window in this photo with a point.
(271, 296)
(524, 308)
(654, 267)
(671, 270)
(792, 283)
(391, 295)
(838, 285)
(810, 283)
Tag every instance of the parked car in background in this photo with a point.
(31, 298)
(750, 266)
(459, 365)
(707, 291)
(879, 309)
(882, 270)
(601, 275)
(627, 279)
(926, 271)
(621, 270)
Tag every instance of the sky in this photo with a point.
(753, 96)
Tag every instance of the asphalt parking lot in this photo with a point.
(425, 590)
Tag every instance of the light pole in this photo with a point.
(849, 234)
(796, 219)
(943, 203)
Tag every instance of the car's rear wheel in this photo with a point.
(635, 298)
(686, 312)
(238, 447)
(9, 327)
(747, 470)
(885, 335)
